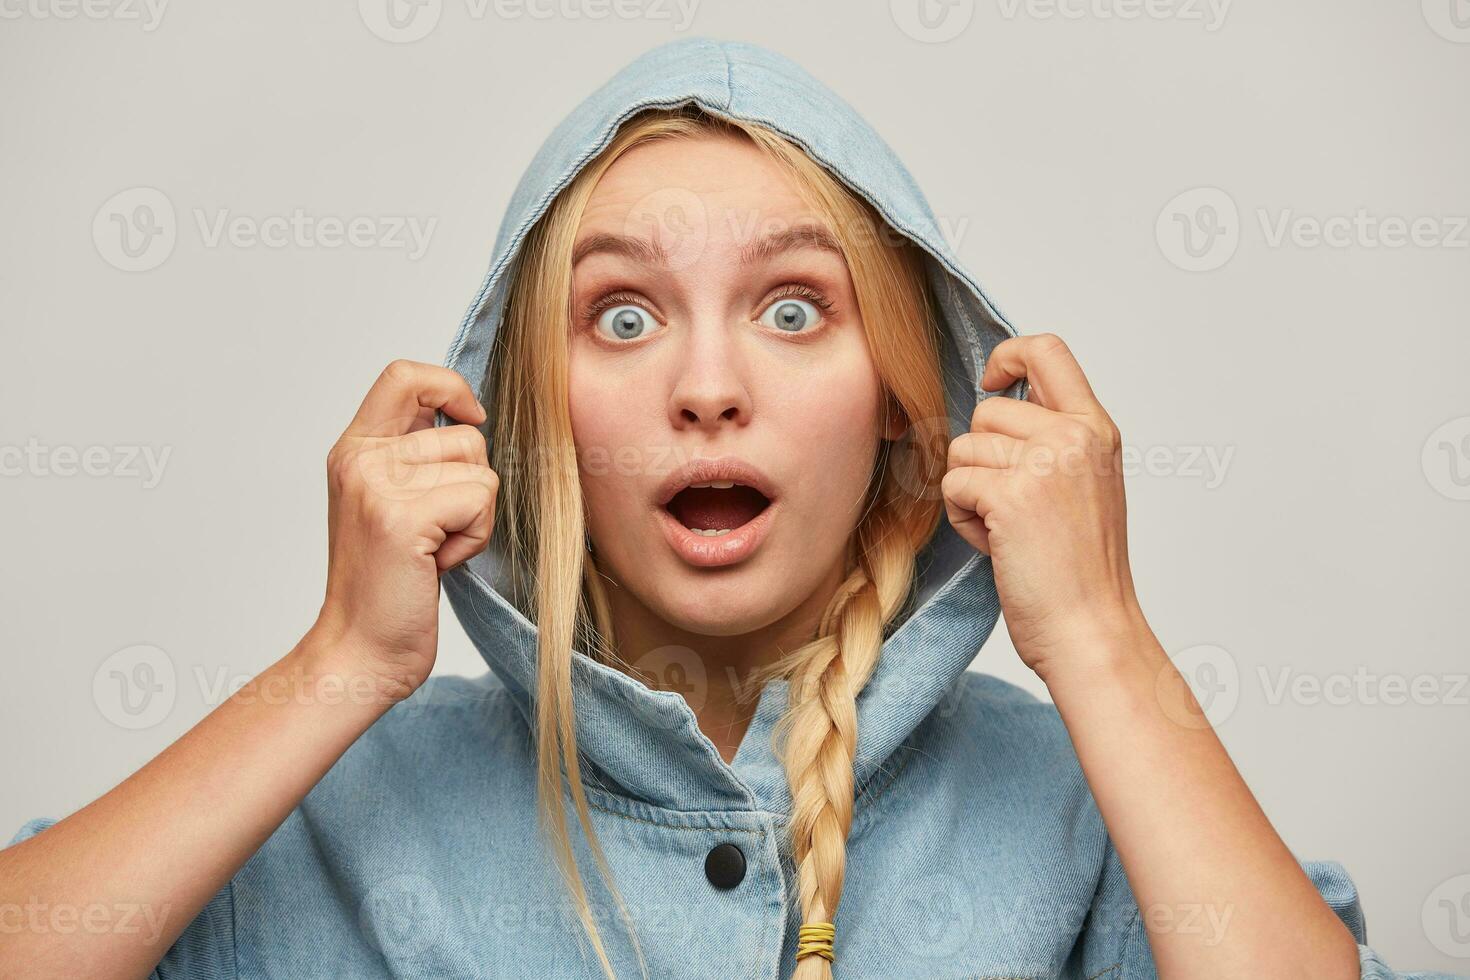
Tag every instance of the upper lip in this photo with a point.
(709, 468)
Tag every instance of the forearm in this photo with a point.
(168, 838)
(1219, 892)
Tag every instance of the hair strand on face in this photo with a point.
(541, 526)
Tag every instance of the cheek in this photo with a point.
(598, 406)
(831, 423)
(591, 417)
(608, 433)
(608, 399)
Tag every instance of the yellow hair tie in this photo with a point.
(815, 939)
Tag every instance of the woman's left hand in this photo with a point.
(1038, 486)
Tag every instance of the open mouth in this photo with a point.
(717, 508)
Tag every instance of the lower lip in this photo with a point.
(725, 549)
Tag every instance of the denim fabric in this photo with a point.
(976, 849)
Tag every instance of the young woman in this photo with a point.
(757, 468)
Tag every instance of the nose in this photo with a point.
(710, 392)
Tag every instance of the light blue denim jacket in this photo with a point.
(976, 850)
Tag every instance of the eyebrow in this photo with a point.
(652, 253)
(788, 240)
(637, 249)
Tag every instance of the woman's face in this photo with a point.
(713, 318)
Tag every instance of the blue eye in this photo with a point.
(791, 315)
(624, 322)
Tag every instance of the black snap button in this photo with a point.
(724, 866)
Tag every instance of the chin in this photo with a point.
(728, 601)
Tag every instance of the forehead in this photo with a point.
(725, 184)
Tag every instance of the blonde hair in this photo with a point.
(541, 528)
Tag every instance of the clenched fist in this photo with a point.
(1038, 486)
(406, 501)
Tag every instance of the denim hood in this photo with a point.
(648, 742)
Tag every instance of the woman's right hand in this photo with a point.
(406, 501)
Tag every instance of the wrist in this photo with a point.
(1098, 646)
(330, 659)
